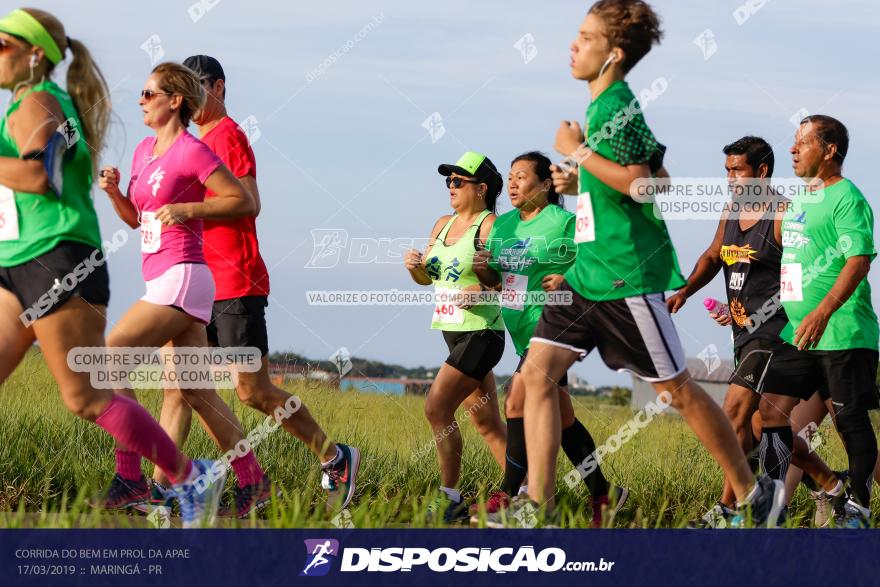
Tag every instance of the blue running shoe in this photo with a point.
(200, 498)
(855, 517)
(124, 494)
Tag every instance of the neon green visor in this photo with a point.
(21, 24)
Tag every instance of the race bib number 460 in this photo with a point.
(8, 215)
(151, 232)
(790, 283)
(445, 312)
(585, 229)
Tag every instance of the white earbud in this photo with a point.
(34, 59)
(611, 58)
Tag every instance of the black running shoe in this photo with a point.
(124, 494)
(454, 512)
(250, 498)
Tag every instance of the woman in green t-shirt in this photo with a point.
(54, 286)
(472, 327)
(530, 249)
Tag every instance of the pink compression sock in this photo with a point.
(128, 465)
(247, 469)
(133, 426)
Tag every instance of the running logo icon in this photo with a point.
(155, 179)
(319, 555)
(328, 244)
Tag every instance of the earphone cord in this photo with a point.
(606, 64)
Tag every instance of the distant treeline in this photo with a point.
(359, 367)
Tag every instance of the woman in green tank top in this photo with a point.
(470, 319)
(53, 276)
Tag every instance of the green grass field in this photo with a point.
(51, 462)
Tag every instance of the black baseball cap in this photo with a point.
(476, 165)
(205, 67)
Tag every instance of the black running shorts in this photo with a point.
(474, 352)
(632, 334)
(752, 363)
(240, 322)
(849, 376)
(45, 283)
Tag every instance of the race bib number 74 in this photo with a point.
(790, 283)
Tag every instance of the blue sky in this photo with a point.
(347, 150)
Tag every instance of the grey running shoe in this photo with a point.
(718, 517)
(764, 509)
(522, 512)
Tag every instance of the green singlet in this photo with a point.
(451, 269)
(526, 251)
(44, 220)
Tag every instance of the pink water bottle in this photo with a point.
(716, 307)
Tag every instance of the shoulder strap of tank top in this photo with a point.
(441, 236)
(478, 223)
(768, 228)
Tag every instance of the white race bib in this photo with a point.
(445, 312)
(8, 215)
(151, 233)
(514, 290)
(790, 283)
(585, 229)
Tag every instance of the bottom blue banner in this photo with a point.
(429, 557)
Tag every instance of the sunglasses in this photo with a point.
(149, 94)
(457, 182)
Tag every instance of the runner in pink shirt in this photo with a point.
(232, 252)
(166, 200)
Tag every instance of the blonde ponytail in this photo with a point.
(91, 96)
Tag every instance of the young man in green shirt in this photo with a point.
(625, 262)
(832, 333)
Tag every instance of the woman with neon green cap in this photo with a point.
(472, 327)
(49, 140)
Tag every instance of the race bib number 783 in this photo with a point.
(151, 232)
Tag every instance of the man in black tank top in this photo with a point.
(747, 246)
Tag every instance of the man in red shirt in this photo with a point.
(242, 285)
